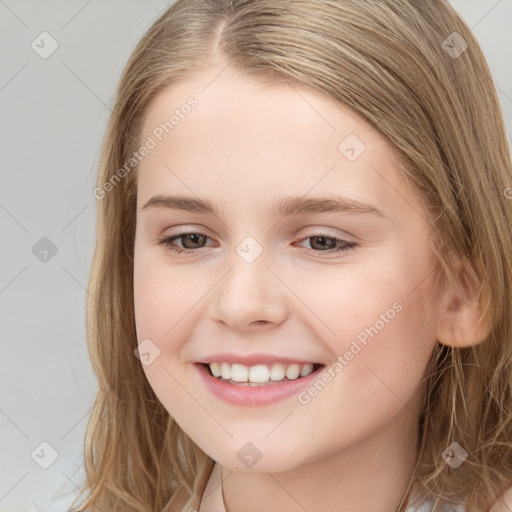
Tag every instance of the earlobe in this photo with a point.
(461, 321)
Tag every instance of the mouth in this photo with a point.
(260, 374)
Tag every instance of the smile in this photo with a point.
(257, 385)
(260, 374)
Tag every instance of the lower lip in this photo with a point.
(255, 395)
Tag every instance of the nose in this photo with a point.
(250, 297)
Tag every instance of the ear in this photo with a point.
(460, 320)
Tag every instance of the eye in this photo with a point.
(193, 241)
(189, 241)
(328, 244)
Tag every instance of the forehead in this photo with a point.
(265, 136)
(228, 99)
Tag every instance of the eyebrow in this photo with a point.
(283, 207)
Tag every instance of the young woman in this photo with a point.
(301, 291)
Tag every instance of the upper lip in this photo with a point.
(252, 359)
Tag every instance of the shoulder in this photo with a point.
(504, 504)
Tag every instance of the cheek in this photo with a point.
(167, 302)
(157, 311)
(164, 315)
(383, 343)
(154, 302)
(164, 295)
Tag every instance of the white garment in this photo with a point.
(213, 500)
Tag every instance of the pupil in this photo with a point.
(194, 237)
(323, 241)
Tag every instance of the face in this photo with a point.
(317, 250)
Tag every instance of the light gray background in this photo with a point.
(54, 113)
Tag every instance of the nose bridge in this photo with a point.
(249, 292)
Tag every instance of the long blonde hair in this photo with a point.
(388, 60)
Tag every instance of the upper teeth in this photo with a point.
(260, 372)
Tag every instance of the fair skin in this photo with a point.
(248, 144)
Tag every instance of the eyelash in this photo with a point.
(343, 244)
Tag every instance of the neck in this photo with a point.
(370, 476)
